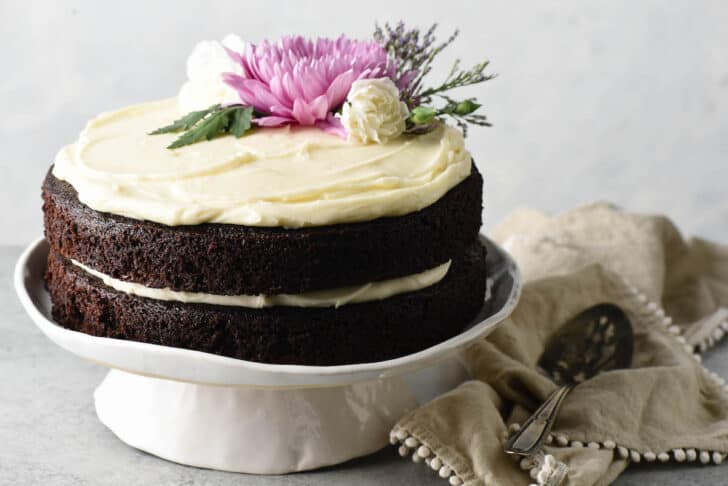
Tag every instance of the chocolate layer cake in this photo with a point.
(284, 246)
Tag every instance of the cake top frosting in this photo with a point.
(288, 176)
(291, 133)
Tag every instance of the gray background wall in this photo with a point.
(619, 100)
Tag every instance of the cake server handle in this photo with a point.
(531, 436)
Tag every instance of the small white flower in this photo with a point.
(205, 66)
(373, 111)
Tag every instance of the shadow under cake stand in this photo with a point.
(222, 413)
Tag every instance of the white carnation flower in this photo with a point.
(205, 66)
(373, 111)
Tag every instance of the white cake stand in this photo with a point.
(222, 413)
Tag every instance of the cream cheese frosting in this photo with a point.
(291, 176)
(320, 298)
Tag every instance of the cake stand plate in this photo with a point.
(222, 413)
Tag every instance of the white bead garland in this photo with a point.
(411, 442)
(455, 481)
(717, 457)
(704, 457)
(542, 477)
(635, 456)
(679, 455)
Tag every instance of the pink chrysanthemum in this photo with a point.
(297, 80)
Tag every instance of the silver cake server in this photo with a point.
(596, 340)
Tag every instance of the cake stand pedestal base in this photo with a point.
(263, 431)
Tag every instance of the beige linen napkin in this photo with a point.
(667, 407)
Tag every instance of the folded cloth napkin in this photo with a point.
(666, 407)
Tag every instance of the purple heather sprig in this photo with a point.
(413, 52)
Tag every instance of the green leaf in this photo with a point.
(186, 122)
(242, 117)
(212, 126)
(422, 114)
(208, 124)
(466, 107)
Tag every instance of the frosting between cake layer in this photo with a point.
(320, 298)
(290, 176)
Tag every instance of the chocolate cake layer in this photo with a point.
(364, 332)
(229, 259)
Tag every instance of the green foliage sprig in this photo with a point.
(208, 124)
